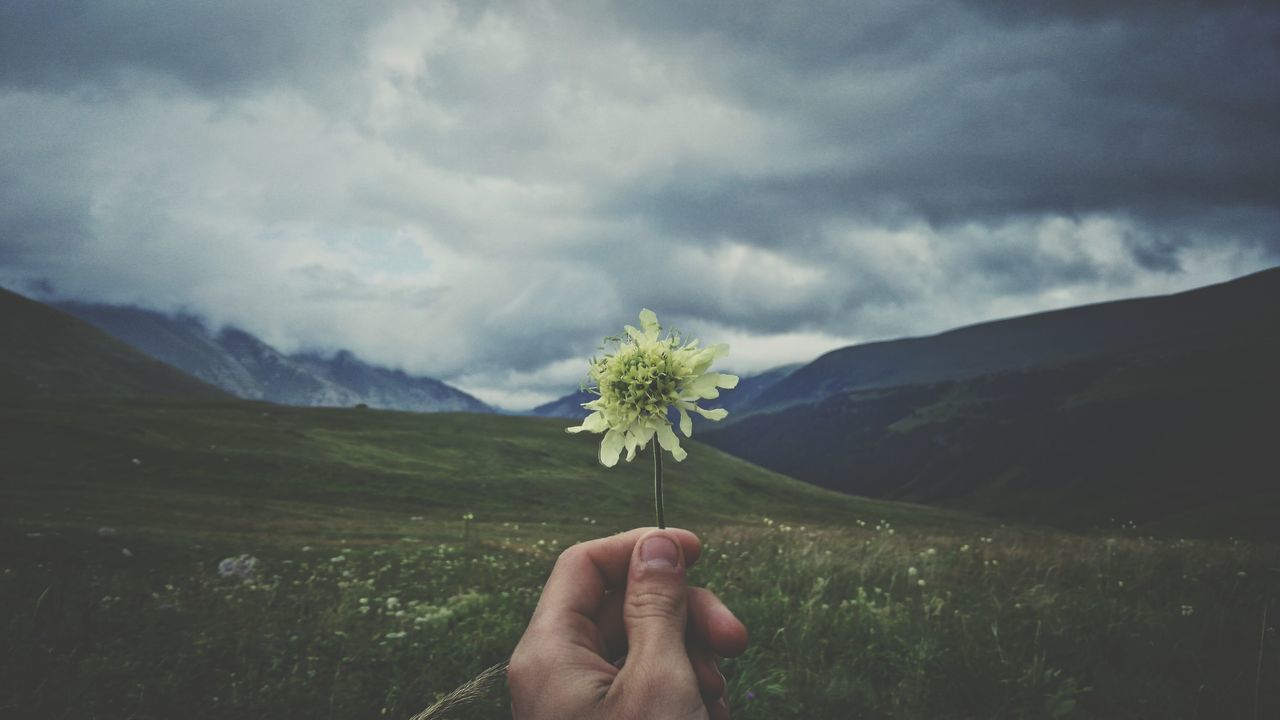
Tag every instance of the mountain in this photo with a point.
(749, 388)
(384, 388)
(1057, 337)
(568, 407)
(245, 366)
(47, 353)
(1157, 410)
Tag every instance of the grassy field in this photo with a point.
(224, 559)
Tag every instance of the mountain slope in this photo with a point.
(568, 407)
(1172, 419)
(49, 353)
(1106, 329)
(750, 388)
(249, 368)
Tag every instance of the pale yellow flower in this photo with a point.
(637, 384)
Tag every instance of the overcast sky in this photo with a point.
(480, 191)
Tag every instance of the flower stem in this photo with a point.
(657, 484)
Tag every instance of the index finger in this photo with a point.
(585, 571)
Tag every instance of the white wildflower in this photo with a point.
(640, 382)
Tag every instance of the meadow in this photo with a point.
(223, 560)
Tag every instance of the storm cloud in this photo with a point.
(479, 191)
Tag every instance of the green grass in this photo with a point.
(345, 510)
(328, 464)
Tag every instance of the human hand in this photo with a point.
(619, 596)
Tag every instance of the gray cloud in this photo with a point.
(950, 116)
(480, 191)
(209, 47)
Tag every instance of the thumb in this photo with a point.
(654, 606)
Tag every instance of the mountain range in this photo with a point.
(1159, 410)
(1154, 408)
(247, 367)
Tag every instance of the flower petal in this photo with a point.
(630, 444)
(704, 386)
(668, 440)
(649, 321)
(717, 414)
(611, 447)
(686, 423)
(594, 422)
(644, 435)
(728, 382)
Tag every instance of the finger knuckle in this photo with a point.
(658, 602)
(571, 556)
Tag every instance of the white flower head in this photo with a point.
(646, 376)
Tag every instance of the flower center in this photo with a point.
(639, 380)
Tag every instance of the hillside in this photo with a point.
(247, 367)
(750, 389)
(47, 353)
(185, 465)
(1243, 306)
(1172, 423)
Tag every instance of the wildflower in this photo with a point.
(912, 572)
(241, 567)
(640, 382)
(1187, 610)
(920, 582)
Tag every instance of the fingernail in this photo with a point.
(659, 552)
